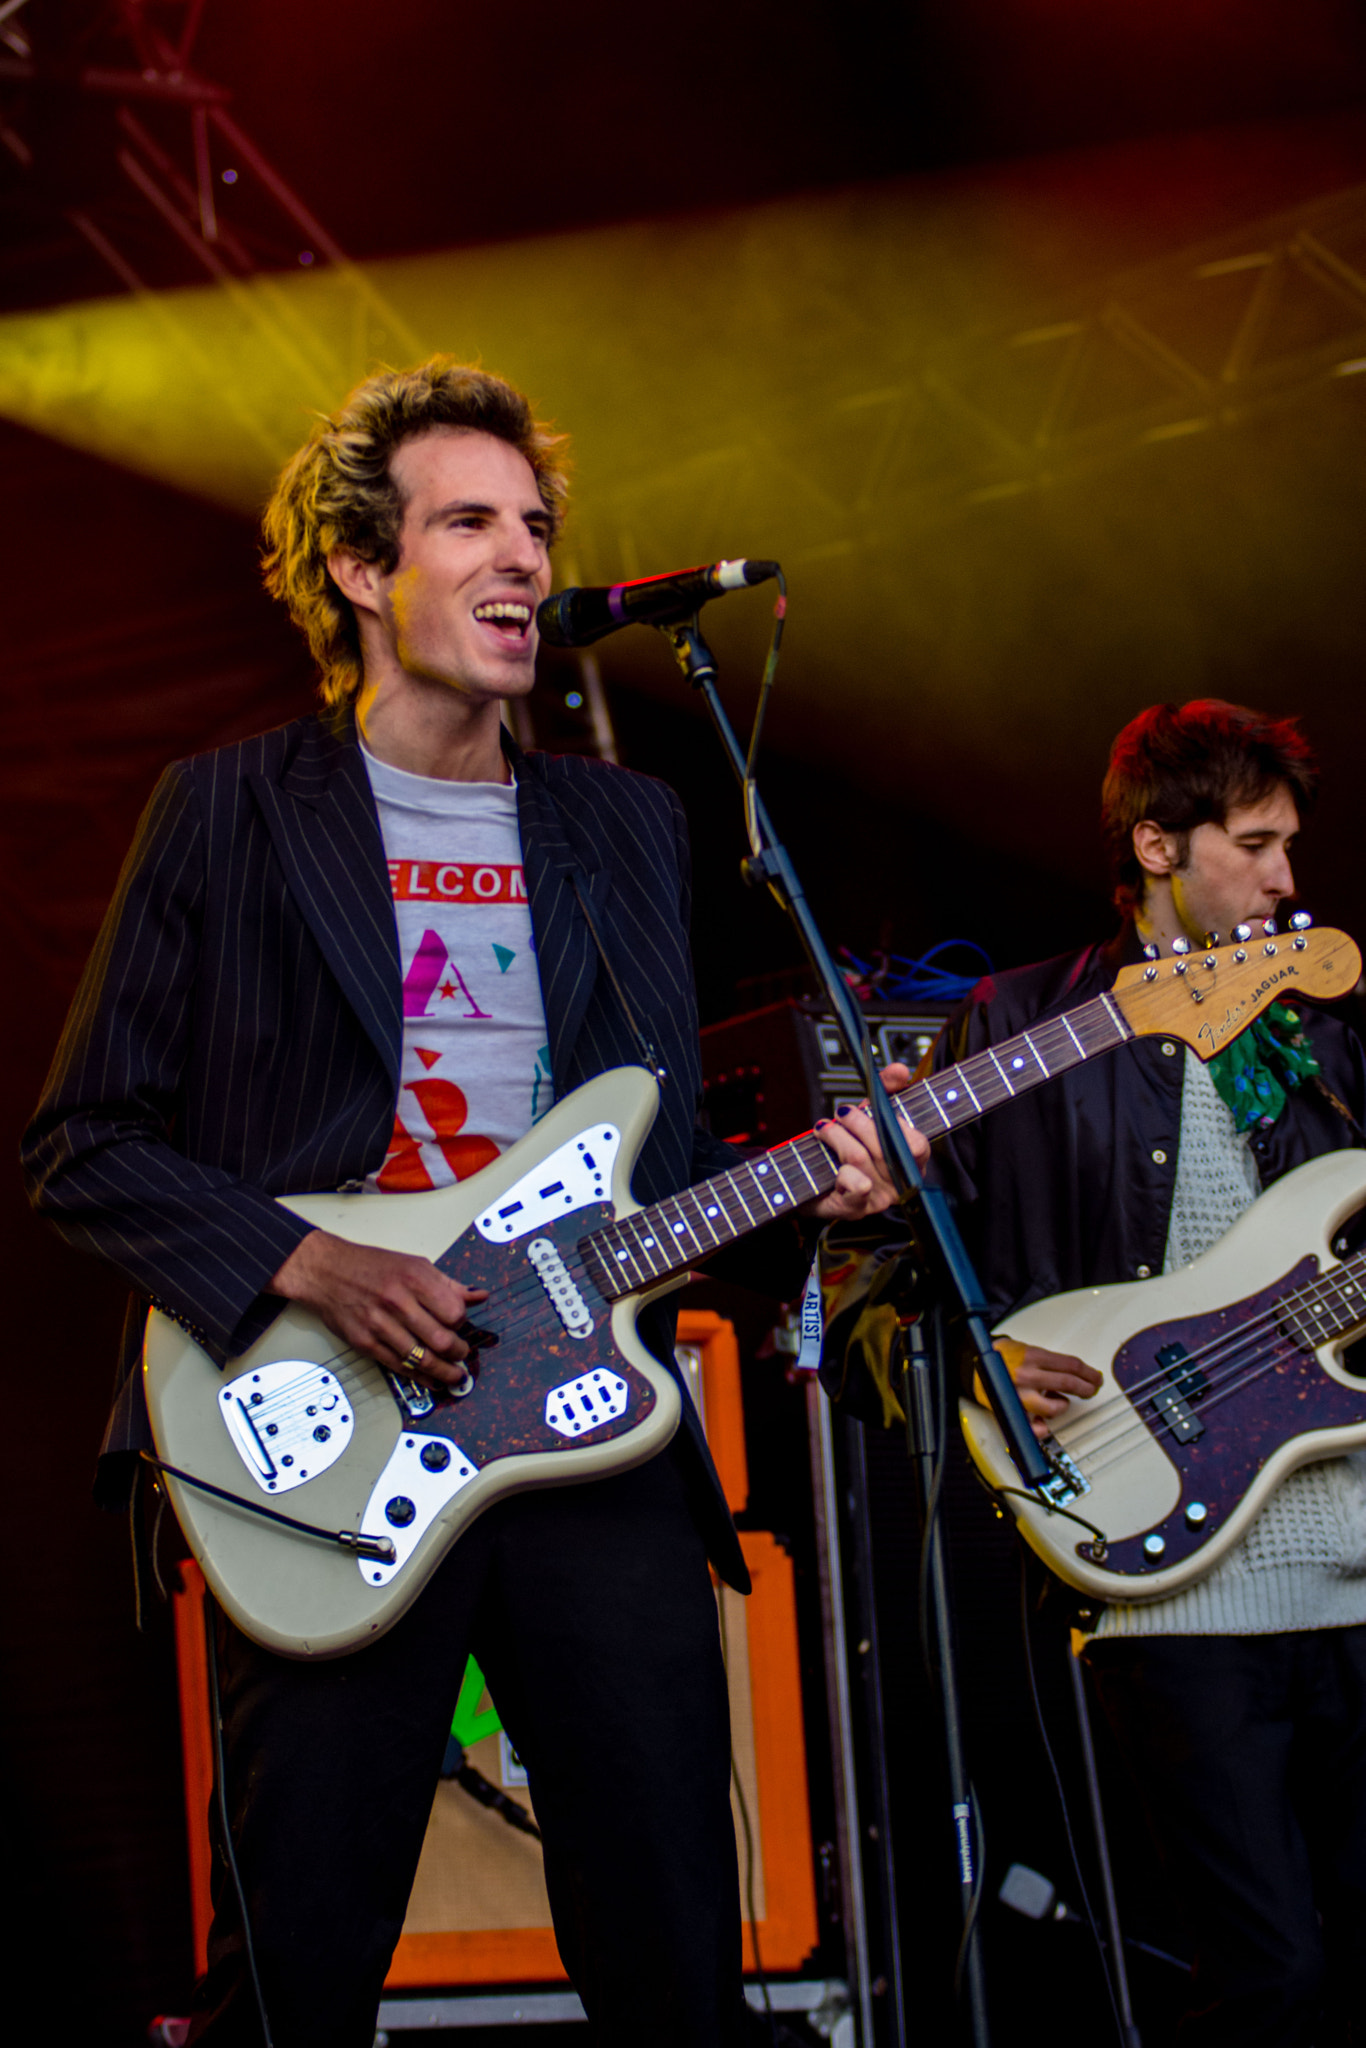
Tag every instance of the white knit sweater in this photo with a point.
(1302, 1564)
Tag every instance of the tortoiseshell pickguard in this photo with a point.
(505, 1414)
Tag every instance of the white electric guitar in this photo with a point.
(319, 1493)
(1218, 1380)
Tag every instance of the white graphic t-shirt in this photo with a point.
(476, 1061)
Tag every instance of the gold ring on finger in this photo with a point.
(415, 1356)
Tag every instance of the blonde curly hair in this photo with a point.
(337, 492)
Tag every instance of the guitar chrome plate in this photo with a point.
(408, 1496)
(574, 1176)
(584, 1404)
(288, 1420)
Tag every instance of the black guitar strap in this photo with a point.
(644, 1044)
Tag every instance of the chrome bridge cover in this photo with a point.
(558, 1282)
(1068, 1482)
(288, 1421)
(577, 1406)
(574, 1176)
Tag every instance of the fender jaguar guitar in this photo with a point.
(1216, 1385)
(319, 1493)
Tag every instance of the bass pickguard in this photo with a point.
(1261, 1386)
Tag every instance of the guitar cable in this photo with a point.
(378, 1547)
(1060, 1789)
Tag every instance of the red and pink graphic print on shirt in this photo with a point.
(471, 1006)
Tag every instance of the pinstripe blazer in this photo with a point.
(238, 1031)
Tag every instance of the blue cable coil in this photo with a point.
(894, 978)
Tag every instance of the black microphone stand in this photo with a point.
(769, 863)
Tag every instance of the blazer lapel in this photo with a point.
(555, 857)
(324, 828)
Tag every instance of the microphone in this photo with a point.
(576, 618)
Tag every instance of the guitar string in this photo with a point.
(1049, 1038)
(1129, 1426)
(1132, 1431)
(1043, 1042)
(1222, 1349)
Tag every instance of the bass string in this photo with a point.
(1143, 1399)
(1297, 1300)
(1132, 1432)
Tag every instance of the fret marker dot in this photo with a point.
(761, 1169)
(1017, 1064)
(648, 1243)
(951, 1095)
(621, 1255)
(680, 1228)
(710, 1212)
(776, 1200)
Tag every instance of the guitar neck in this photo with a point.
(963, 1093)
(658, 1243)
(1329, 1307)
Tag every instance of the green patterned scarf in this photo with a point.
(1257, 1070)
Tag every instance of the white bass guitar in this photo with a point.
(1218, 1380)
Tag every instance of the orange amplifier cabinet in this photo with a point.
(479, 1912)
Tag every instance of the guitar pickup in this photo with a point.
(1186, 1383)
(1186, 1377)
(1177, 1415)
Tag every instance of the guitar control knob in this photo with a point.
(1241, 932)
(1197, 1514)
(400, 1511)
(1300, 921)
(1154, 1548)
(435, 1457)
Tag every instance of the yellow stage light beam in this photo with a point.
(1003, 484)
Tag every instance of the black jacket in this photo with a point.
(1071, 1184)
(1065, 1187)
(238, 1031)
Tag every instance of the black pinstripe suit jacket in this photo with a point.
(238, 1031)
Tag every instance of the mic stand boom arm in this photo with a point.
(770, 863)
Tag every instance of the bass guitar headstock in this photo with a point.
(1207, 995)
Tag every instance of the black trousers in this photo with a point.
(1250, 1752)
(591, 1612)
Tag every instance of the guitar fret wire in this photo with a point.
(1075, 1040)
(1005, 1078)
(1123, 1029)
